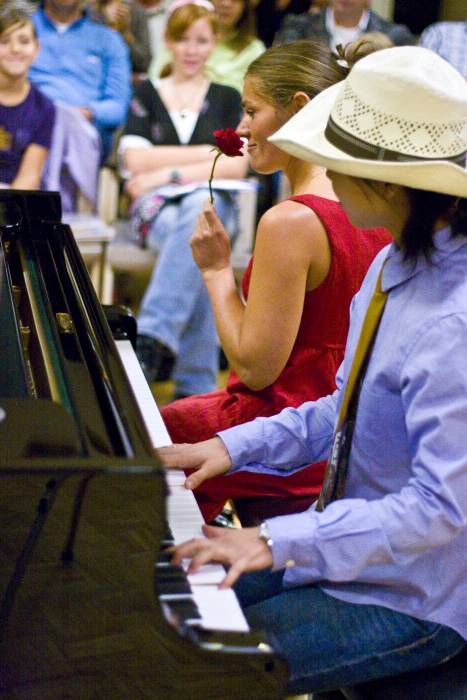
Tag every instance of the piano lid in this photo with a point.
(59, 355)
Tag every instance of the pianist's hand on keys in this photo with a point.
(209, 458)
(242, 550)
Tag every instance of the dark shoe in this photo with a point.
(224, 519)
(151, 354)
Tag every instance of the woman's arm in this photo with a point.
(226, 168)
(139, 160)
(292, 255)
(30, 170)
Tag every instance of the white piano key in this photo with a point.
(219, 609)
(143, 395)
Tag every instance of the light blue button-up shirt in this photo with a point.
(398, 537)
(87, 65)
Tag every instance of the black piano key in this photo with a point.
(170, 573)
(164, 557)
(184, 609)
(173, 587)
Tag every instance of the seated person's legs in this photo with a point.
(176, 294)
(196, 367)
(330, 643)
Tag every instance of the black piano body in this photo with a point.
(86, 625)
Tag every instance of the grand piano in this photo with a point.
(91, 607)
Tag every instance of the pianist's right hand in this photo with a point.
(208, 458)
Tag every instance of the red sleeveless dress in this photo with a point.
(308, 375)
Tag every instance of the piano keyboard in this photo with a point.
(196, 599)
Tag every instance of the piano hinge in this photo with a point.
(65, 323)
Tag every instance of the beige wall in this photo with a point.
(454, 9)
(385, 8)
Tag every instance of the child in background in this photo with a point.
(26, 115)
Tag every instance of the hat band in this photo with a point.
(354, 146)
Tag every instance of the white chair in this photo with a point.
(95, 230)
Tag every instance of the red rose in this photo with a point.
(228, 141)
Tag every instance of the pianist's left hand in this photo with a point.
(242, 550)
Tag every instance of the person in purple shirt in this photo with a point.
(374, 584)
(26, 115)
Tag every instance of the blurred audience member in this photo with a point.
(155, 11)
(238, 44)
(167, 151)
(26, 116)
(341, 22)
(449, 40)
(128, 18)
(83, 64)
(236, 48)
(270, 14)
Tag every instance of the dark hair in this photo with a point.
(245, 30)
(426, 208)
(16, 12)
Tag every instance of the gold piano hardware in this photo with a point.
(65, 323)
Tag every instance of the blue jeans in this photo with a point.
(176, 309)
(330, 643)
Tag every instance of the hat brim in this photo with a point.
(303, 137)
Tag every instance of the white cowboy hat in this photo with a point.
(400, 116)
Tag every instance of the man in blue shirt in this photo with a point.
(83, 64)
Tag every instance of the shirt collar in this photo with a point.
(84, 14)
(331, 24)
(397, 270)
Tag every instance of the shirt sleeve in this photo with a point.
(293, 438)
(110, 110)
(139, 118)
(430, 38)
(45, 124)
(352, 535)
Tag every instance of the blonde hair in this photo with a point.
(367, 43)
(180, 20)
(307, 66)
(301, 66)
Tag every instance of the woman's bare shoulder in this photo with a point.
(290, 218)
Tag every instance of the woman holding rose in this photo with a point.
(285, 344)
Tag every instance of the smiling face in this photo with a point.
(261, 119)
(191, 51)
(18, 49)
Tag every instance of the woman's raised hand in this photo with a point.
(210, 243)
(208, 458)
